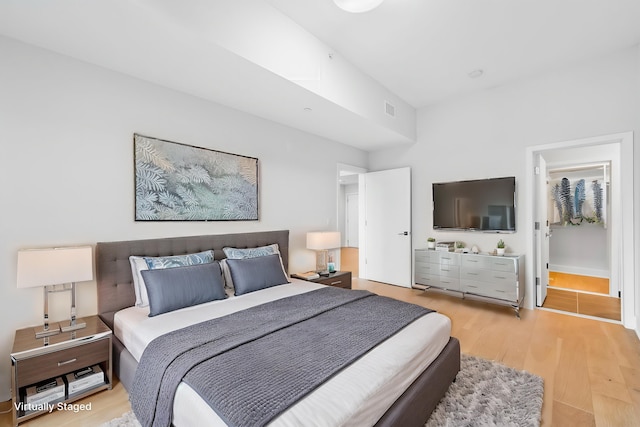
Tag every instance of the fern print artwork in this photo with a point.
(177, 182)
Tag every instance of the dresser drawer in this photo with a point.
(503, 264)
(426, 255)
(471, 261)
(449, 258)
(427, 279)
(449, 283)
(449, 271)
(475, 274)
(503, 278)
(425, 267)
(503, 292)
(38, 368)
(473, 286)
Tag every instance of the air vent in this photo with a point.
(389, 109)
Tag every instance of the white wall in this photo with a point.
(579, 249)
(66, 130)
(486, 134)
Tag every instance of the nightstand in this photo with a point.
(340, 279)
(34, 360)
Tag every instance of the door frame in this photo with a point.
(622, 245)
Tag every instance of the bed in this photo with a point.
(407, 397)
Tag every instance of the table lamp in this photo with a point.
(321, 242)
(52, 267)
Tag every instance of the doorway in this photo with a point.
(617, 152)
(348, 217)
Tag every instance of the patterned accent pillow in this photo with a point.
(238, 253)
(154, 263)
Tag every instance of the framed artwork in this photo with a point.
(179, 182)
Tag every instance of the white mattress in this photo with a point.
(359, 395)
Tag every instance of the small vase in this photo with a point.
(431, 245)
(500, 251)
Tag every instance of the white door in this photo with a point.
(385, 238)
(542, 231)
(351, 225)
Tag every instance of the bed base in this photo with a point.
(411, 409)
(115, 292)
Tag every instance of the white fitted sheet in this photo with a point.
(358, 395)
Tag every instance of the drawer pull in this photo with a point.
(472, 274)
(500, 277)
(498, 290)
(66, 362)
(472, 260)
(336, 283)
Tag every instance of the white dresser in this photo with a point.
(497, 279)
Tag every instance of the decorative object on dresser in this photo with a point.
(500, 248)
(321, 242)
(41, 368)
(179, 182)
(486, 277)
(50, 268)
(431, 243)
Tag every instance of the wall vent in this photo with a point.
(389, 109)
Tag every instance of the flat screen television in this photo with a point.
(478, 205)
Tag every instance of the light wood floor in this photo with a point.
(591, 369)
(580, 303)
(567, 292)
(578, 282)
(349, 260)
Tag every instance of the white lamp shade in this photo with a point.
(358, 6)
(54, 266)
(321, 240)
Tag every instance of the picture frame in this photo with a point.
(180, 182)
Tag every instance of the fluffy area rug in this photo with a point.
(485, 393)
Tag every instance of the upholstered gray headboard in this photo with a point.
(113, 270)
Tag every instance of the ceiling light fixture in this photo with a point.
(476, 73)
(357, 6)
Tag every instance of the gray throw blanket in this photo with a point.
(252, 365)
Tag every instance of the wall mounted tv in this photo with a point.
(486, 205)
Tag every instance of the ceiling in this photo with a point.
(423, 50)
(420, 51)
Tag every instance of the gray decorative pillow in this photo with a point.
(244, 253)
(253, 274)
(170, 289)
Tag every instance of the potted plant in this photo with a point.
(500, 248)
(460, 247)
(431, 243)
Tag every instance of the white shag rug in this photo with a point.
(485, 393)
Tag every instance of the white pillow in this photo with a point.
(137, 265)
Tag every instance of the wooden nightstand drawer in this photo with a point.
(340, 279)
(51, 365)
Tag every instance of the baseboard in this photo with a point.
(582, 271)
